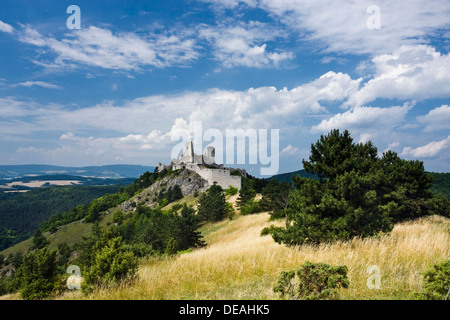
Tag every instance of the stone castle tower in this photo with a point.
(206, 167)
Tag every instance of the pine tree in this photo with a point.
(246, 193)
(176, 193)
(358, 194)
(187, 225)
(212, 204)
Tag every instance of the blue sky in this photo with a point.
(114, 90)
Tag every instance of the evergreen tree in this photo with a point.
(358, 194)
(212, 204)
(39, 240)
(169, 195)
(275, 198)
(246, 193)
(176, 193)
(187, 235)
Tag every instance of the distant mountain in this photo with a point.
(288, 176)
(108, 171)
(441, 181)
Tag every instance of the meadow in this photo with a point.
(239, 263)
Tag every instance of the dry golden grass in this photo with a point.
(240, 264)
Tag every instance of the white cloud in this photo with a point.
(132, 129)
(392, 146)
(4, 27)
(244, 44)
(341, 26)
(99, 47)
(290, 150)
(263, 107)
(39, 84)
(365, 119)
(411, 72)
(436, 119)
(429, 150)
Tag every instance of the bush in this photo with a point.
(315, 281)
(231, 191)
(111, 264)
(251, 207)
(37, 275)
(172, 247)
(437, 282)
(140, 250)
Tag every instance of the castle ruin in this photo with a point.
(205, 166)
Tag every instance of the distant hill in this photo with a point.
(108, 171)
(288, 176)
(441, 181)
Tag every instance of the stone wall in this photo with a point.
(221, 176)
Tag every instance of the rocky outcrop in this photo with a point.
(188, 181)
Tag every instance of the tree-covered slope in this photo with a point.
(21, 214)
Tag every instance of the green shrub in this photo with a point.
(315, 281)
(437, 282)
(37, 275)
(111, 264)
(251, 207)
(231, 191)
(172, 247)
(230, 211)
(140, 250)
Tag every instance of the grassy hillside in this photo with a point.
(240, 264)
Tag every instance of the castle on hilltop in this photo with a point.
(206, 167)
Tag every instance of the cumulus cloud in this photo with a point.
(429, 150)
(409, 73)
(436, 119)
(365, 119)
(290, 150)
(137, 126)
